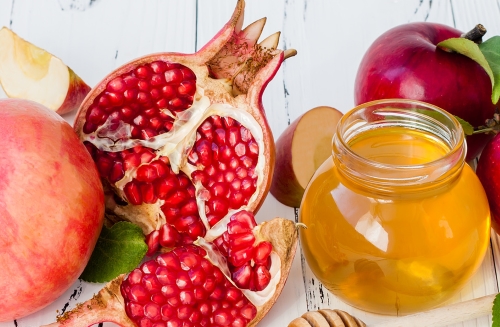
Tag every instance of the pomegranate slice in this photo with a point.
(181, 140)
(188, 286)
(184, 150)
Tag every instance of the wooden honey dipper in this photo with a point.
(441, 316)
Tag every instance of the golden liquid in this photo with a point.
(395, 254)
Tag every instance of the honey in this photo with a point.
(389, 242)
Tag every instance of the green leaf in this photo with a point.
(470, 49)
(496, 312)
(119, 250)
(467, 127)
(491, 51)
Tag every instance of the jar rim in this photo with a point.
(411, 114)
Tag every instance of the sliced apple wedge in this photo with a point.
(29, 72)
(300, 150)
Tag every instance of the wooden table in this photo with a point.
(96, 36)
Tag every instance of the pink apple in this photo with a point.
(51, 207)
(404, 62)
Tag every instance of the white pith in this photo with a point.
(29, 72)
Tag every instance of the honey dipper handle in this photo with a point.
(446, 315)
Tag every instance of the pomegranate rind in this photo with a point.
(283, 235)
(106, 306)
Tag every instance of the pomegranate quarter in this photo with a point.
(184, 150)
(51, 207)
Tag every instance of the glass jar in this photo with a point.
(396, 221)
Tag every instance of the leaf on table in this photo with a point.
(491, 51)
(119, 250)
(496, 311)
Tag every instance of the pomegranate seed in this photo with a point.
(242, 276)
(218, 206)
(238, 227)
(146, 173)
(133, 193)
(168, 236)
(115, 99)
(248, 311)
(152, 311)
(143, 72)
(158, 66)
(168, 91)
(164, 187)
(241, 241)
(222, 318)
(204, 151)
(262, 277)
(104, 166)
(165, 276)
(139, 294)
(239, 257)
(176, 198)
(245, 217)
(148, 193)
(262, 252)
(169, 260)
(173, 76)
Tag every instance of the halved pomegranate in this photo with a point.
(181, 140)
(184, 150)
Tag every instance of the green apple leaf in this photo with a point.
(119, 250)
(486, 54)
(491, 51)
(466, 126)
(496, 312)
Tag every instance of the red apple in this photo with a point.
(487, 170)
(405, 62)
(51, 207)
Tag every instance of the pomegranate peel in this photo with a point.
(31, 73)
(169, 268)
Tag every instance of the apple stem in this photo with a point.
(476, 34)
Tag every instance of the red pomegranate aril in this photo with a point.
(163, 187)
(245, 217)
(262, 277)
(247, 186)
(186, 88)
(152, 311)
(196, 229)
(168, 236)
(241, 241)
(218, 206)
(134, 310)
(143, 72)
(115, 99)
(147, 193)
(222, 318)
(168, 91)
(133, 193)
(183, 281)
(238, 227)
(173, 76)
(239, 257)
(262, 252)
(204, 151)
(139, 294)
(146, 173)
(176, 198)
(242, 276)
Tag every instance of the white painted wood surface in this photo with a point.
(96, 36)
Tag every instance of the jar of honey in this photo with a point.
(396, 221)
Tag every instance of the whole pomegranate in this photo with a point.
(184, 150)
(51, 207)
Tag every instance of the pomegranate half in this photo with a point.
(51, 207)
(184, 150)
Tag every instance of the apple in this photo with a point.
(51, 207)
(405, 62)
(304, 145)
(31, 73)
(487, 170)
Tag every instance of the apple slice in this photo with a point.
(29, 72)
(300, 150)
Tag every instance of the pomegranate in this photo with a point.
(51, 207)
(191, 286)
(182, 139)
(184, 150)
